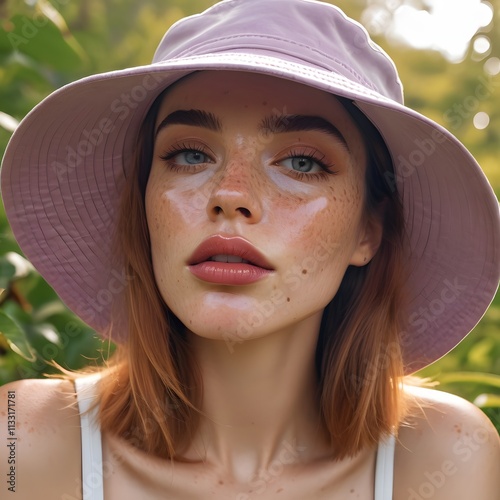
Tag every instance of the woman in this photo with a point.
(274, 241)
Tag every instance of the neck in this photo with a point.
(260, 399)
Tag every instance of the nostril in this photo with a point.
(244, 211)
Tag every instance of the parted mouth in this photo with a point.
(232, 250)
(233, 259)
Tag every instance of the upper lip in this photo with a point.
(228, 245)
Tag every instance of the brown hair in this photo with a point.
(359, 356)
(152, 391)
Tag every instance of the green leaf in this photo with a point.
(47, 332)
(487, 401)
(49, 309)
(16, 337)
(7, 272)
(41, 40)
(470, 377)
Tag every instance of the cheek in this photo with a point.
(159, 218)
(165, 221)
(323, 235)
(340, 222)
(330, 221)
(170, 209)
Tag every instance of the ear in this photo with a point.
(369, 241)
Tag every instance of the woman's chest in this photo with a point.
(132, 474)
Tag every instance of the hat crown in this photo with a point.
(323, 37)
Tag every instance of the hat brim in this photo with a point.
(65, 167)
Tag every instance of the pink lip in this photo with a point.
(228, 273)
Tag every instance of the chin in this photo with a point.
(225, 328)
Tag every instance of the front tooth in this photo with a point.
(228, 258)
(234, 258)
(220, 258)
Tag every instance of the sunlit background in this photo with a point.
(444, 25)
(447, 26)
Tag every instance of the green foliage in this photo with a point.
(44, 45)
(38, 54)
(36, 329)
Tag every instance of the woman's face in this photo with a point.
(254, 203)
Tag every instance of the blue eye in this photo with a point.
(185, 156)
(190, 157)
(304, 164)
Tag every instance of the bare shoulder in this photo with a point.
(448, 449)
(40, 450)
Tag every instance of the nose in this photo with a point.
(235, 193)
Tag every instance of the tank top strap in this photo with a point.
(384, 469)
(92, 467)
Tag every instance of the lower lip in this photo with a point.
(228, 273)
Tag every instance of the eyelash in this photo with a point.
(319, 158)
(177, 149)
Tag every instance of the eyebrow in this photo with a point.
(278, 124)
(274, 124)
(192, 117)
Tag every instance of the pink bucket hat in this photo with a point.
(65, 166)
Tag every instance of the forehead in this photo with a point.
(234, 96)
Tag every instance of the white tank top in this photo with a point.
(92, 470)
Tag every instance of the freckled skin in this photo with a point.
(246, 190)
(269, 383)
